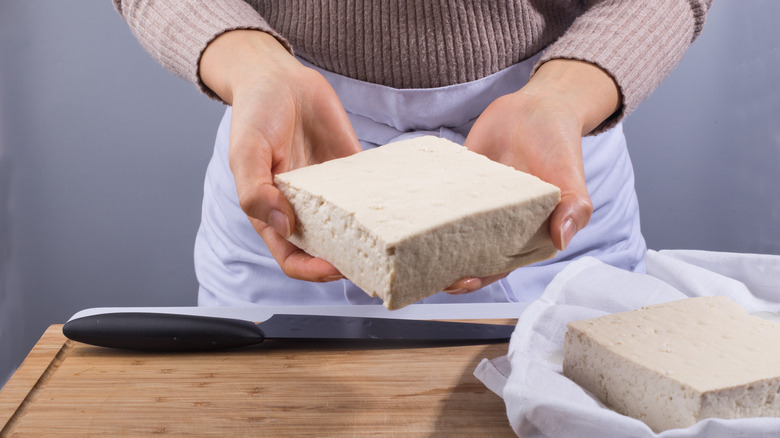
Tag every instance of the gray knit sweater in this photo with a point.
(433, 43)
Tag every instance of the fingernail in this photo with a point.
(472, 284)
(334, 278)
(568, 230)
(278, 221)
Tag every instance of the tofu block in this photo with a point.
(405, 220)
(673, 364)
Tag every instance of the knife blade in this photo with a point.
(176, 332)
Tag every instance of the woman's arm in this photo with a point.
(285, 116)
(637, 43)
(610, 59)
(176, 33)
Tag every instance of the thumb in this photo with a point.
(570, 216)
(266, 203)
(258, 197)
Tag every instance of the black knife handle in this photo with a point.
(162, 331)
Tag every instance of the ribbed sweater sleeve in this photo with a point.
(638, 42)
(176, 33)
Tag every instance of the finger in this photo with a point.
(295, 262)
(331, 134)
(575, 208)
(251, 164)
(569, 217)
(472, 284)
(266, 203)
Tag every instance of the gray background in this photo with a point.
(102, 155)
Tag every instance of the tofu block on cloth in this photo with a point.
(405, 220)
(673, 364)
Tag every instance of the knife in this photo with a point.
(176, 332)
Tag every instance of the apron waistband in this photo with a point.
(379, 114)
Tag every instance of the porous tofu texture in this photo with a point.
(674, 364)
(405, 220)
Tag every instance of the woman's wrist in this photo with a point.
(591, 93)
(235, 58)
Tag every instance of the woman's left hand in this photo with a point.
(539, 130)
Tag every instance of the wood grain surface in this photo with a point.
(278, 388)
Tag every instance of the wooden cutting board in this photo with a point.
(278, 388)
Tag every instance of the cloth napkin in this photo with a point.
(541, 402)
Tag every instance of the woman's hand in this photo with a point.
(285, 116)
(539, 130)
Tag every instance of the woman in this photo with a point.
(368, 73)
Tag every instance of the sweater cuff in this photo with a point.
(637, 43)
(176, 33)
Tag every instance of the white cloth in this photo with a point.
(235, 268)
(541, 402)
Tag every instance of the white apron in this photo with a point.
(234, 267)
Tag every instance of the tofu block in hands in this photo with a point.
(405, 220)
(674, 364)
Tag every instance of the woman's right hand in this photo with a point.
(284, 116)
